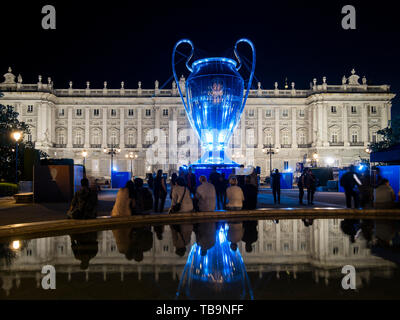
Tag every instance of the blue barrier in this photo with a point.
(119, 179)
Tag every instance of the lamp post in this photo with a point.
(314, 159)
(17, 136)
(131, 156)
(84, 155)
(112, 152)
(270, 150)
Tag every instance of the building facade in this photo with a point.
(336, 122)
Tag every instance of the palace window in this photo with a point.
(182, 112)
(113, 112)
(96, 112)
(96, 137)
(251, 113)
(29, 137)
(285, 137)
(373, 110)
(355, 250)
(78, 112)
(148, 112)
(268, 136)
(303, 246)
(301, 113)
(250, 138)
(333, 109)
(113, 138)
(334, 137)
(78, 137)
(131, 138)
(353, 109)
(130, 112)
(30, 109)
(269, 246)
(302, 137)
(335, 250)
(165, 112)
(61, 138)
(285, 113)
(61, 113)
(374, 136)
(354, 136)
(268, 113)
(286, 247)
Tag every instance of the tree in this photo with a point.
(8, 124)
(390, 136)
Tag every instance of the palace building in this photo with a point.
(333, 122)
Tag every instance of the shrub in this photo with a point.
(8, 189)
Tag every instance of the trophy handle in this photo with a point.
(253, 66)
(187, 65)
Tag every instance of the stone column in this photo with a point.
(139, 128)
(320, 124)
(345, 128)
(364, 124)
(314, 124)
(157, 116)
(277, 127)
(325, 138)
(384, 116)
(294, 129)
(53, 124)
(259, 128)
(69, 138)
(104, 143)
(87, 128)
(173, 137)
(243, 133)
(389, 111)
(122, 128)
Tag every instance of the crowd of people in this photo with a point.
(218, 192)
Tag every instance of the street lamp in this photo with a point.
(112, 152)
(368, 150)
(17, 136)
(270, 151)
(131, 156)
(314, 160)
(84, 155)
(329, 161)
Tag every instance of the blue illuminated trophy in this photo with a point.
(215, 100)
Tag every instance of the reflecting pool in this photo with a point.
(265, 259)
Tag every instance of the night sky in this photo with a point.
(132, 41)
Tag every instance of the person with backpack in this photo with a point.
(143, 198)
(349, 181)
(181, 200)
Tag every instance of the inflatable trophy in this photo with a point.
(214, 100)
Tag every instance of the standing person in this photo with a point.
(181, 194)
(221, 191)
(234, 195)
(160, 192)
(366, 191)
(310, 183)
(125, 201)
(250, 194)
(240, 177)
(254, 178)
(349, 181)
(301, 185)
(84, 202)
(150, 181)
(214, 177)
(276, 185)
(206, 195)
(384, 195)
(143, 198)
(190, 180)
(172, 183)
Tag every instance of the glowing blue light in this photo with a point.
(361, 167)
(115, 168)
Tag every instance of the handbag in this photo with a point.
(177, 207)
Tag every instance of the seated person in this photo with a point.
(84, 203)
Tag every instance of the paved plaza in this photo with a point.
(12, 213)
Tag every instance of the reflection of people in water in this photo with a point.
(85, 247)
(159, 230)
(133, 242)
(307, 222)
(205, 235)
(181, 234)
(235, 234)
(250, 234)
(350, 227)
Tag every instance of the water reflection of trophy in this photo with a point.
(214, 100)
(216, 273)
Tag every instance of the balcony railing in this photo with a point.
(110, 145)
(356, 144)
(304, 145)
(60, 145)
(130, 146)
(267, 146)
(95, 145)
(77, 145)
(336, 144)
(286, 145)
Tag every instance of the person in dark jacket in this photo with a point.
(250, 194)
(143, 198)
(190, 181)
(85, 247)
(301, 185)
(221, 191)
(160, 192)
(84, 202)
(349, 181)
(250, 234)
(276, 185)
(310, 183)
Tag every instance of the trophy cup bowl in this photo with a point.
(214, 100)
